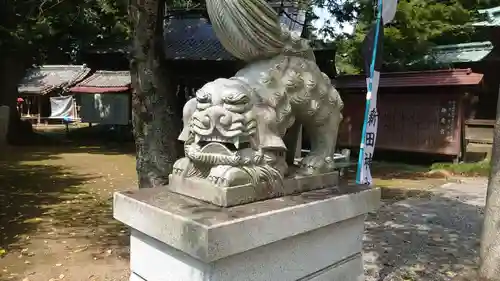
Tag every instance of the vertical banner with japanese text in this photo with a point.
(371, 131)
(372, 53)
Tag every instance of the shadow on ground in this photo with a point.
(430, 239)
(92, 219)
(82, 147)
(27, 193)
(39, 198)
(94, 140)
(386, 172)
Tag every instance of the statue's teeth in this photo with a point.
(237, 142)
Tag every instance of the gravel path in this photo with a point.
(426, 238)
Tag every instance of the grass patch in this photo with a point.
(464, 169)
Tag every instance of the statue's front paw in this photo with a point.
(181, 166)
(228, 176)
(316, 164)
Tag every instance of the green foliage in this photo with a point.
(342, 11)
(418, 26)
(37, 29)
(60, 29)
(481, 168)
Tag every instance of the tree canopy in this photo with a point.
(418, 26)
(58, 29)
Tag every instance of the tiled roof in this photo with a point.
(104, 81)
(432, 78)
(466, 52)
(193, 38)
(44, 79)
(492, 17)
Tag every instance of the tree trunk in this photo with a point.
(156, 121)
(490, 240)
(11, 72)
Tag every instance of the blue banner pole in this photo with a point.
(369, 94)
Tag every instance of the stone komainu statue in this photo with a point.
(237, 130)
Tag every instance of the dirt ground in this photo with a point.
(56, 210)
(56, 213)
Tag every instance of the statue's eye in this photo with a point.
(237, 98)
(203, 97)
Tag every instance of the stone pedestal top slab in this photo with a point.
(209, 233)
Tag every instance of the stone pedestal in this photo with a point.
(316, 235)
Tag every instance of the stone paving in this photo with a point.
(423, 239)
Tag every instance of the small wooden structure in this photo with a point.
(40, 83)
(418, 111)
(108, 83)
(482, 55)
(479, 137)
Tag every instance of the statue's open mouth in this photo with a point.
(233, 144)
(218, 150)
(228, 145)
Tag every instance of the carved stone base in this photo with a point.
(317, 235)
(236, 195)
